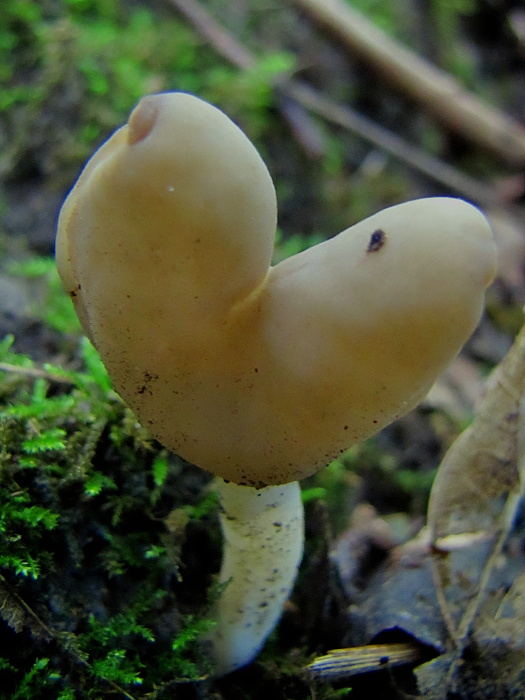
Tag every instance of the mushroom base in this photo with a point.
(263, 532)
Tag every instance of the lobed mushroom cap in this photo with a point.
(258, 374)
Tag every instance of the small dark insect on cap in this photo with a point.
(377, 241)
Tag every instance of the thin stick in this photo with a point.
(439, 93)
(436, 169)
(302, 126)
(35, 373)
(224, 43)
(228, 47)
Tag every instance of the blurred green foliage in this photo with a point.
(50, 303)
(385, 15)
(86, 63)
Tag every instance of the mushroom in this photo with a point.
(259, 374)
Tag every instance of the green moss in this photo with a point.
(84, 496)
(88, 62)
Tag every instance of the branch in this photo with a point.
(302, 126)
(432, 167)
(35, 373)
(438, 92)
(295, 97)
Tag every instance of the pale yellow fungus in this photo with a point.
(258, 374)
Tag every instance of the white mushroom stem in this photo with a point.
(263, 544)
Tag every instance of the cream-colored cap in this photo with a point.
(260, 375)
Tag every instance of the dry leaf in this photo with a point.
(457, 390)
(464, 595)
(475, 497)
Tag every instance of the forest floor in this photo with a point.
(109, 543)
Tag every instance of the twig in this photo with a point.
(304, 128)
(436, 169)
(439, 93)
(289, 91)
(344, 663)
(35, 373)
